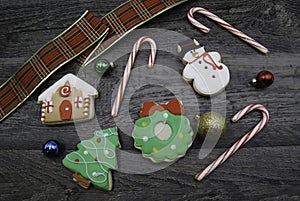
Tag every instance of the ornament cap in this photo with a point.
(253, 82)
(112, 65)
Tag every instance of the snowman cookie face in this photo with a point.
(205, 70)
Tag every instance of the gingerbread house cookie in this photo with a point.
(68, 100)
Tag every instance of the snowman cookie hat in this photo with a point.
(186, 46)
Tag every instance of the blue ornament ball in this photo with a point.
(51, 148)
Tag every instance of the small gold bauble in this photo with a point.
(212, 124)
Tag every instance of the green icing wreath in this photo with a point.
(172, 140)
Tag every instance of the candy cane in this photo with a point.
(229, 152)
(224, 24)
(128, 68)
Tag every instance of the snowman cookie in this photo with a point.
(204, 69)
(163, 136)
(68, 100)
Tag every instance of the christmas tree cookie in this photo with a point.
(94, 159)
(163, 136)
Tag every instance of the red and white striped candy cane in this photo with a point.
(229, 152)
(128, 68)
(224, 24)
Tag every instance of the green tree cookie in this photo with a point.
(163, 136)
(95, 157)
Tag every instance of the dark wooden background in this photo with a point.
(266, 168)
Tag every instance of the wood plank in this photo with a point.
(267, 168)
(251, 174)
(20, 21)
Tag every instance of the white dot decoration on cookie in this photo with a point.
(67, 108)
(173, 147)
(166, 115)
(85, 152)
(145, 138)
(106, 152)
(95, 174)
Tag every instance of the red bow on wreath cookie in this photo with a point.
(174, 106)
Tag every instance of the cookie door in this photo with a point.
(65, 110)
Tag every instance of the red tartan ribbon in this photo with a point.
(127, 17)
(174, 106)
(68, 45)
(77, 41)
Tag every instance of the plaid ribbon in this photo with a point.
(77, 41)
(126, 18)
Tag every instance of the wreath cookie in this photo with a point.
(163, 136)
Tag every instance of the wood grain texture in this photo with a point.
(39, 178)
(267, 168)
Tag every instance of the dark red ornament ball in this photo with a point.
(263, 79)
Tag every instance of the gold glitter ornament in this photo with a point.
(212, 123)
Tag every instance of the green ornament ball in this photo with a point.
(102, 65)
(211, 124)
